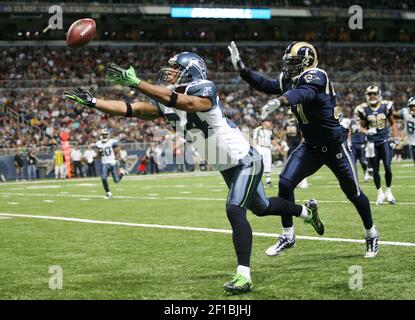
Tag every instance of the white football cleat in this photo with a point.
(367, 176)
(282, 244)
(381, 197)
(109, 195)
(123, 172)
(372, 247)
(389, 196)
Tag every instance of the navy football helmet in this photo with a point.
(373, 95)
(411, 105)
(184, 68)
(298, 57)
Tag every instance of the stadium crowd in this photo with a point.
(61, 63)
(50, 70)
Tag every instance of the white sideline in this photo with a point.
(166, 198)
(143, 225)
(130, 177)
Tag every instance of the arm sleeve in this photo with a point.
(261, 83)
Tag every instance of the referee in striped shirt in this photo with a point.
(262, 142)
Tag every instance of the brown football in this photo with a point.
(81, 32)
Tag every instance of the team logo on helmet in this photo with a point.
(373, 95)
(298, 57)
(184, 68)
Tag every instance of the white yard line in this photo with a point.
(158, 226)
(131, 177)
(167, 198)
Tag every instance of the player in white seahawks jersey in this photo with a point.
(408, 115)
(107, 149)
(191, 105)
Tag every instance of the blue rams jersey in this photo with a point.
(376, 118)
(312, 100)
(357, 136)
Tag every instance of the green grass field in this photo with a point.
(137, 260)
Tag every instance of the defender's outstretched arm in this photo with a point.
(254, 79)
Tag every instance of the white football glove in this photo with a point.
(270, 107)
(235, 57)
(371, 131)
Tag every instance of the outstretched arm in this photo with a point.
(254, 79)
(183, 102)
(260, 82)
(118, 75)
(142, 110)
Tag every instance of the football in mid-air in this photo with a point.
(81, 32)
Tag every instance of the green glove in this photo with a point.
(118, 75)
(81, 96)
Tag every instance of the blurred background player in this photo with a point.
(59, 161)
(123, 155)
(309, 93)
(374, 116)
(262, 142)
(143, 162)
(76, 157)
(151, 156)
(90, 155)
(19, 165)
(108, 149)
(32, 161)
(408, 115)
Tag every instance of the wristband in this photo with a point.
(129, 112)
(173, 100)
